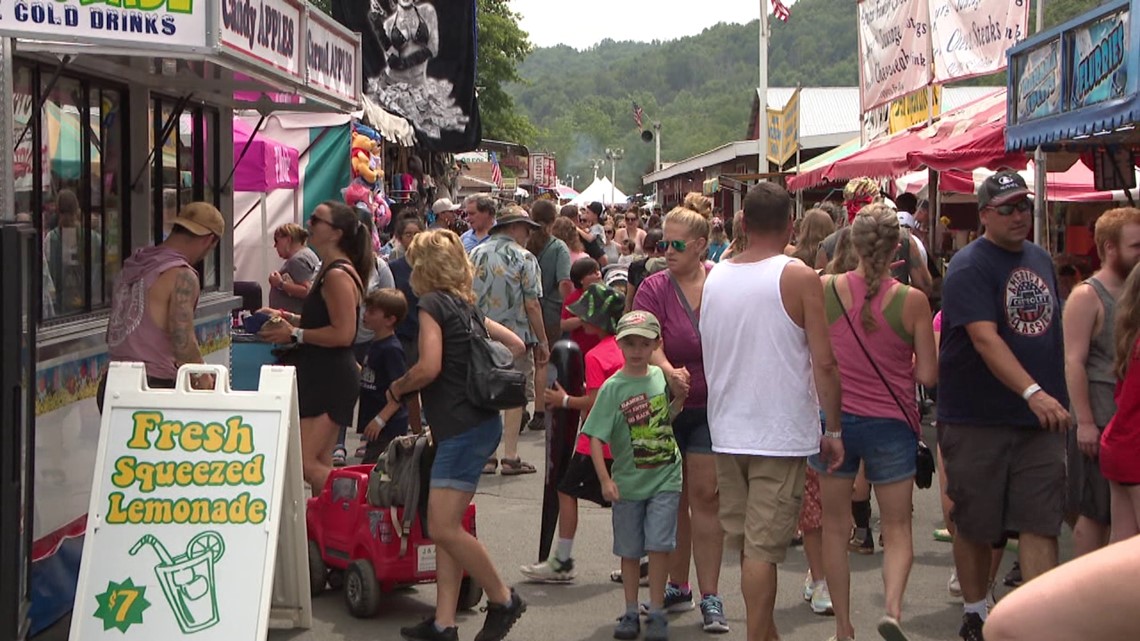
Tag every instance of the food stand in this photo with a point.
(118, 115)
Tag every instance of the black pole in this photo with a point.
(561, 432)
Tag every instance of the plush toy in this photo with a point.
(365, 159)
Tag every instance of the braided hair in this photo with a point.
(875, 238)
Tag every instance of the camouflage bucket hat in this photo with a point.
(600, 306)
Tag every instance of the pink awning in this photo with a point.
(267, 164)
(969, 137)
(1072, 185)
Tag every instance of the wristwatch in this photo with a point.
(298, 335)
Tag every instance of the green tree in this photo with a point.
(503, 46)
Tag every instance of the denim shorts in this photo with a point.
(459, 460)
(885, 446)
(691, 429)
(649, 525)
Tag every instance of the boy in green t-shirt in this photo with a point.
(634, 415)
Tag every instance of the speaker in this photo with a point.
(647, 136)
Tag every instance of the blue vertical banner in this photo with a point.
(1098, 53)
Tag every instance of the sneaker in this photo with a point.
(426, 631)
(628, 627)
(643, 579)
(676, 600)
(991, 597)
(500, 618)
(1013, 578)
(943, 535)
(971, 629)
(537, 423)
(338, 457)
(862, 541)
(952, 586)
(550, 571)
(890, 629)
(821, 599)
(712, 609)
(657, 628)
(808, 586)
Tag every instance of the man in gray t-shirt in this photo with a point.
(290, 284)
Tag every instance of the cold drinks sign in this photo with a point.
(173, 24)
(190, 491)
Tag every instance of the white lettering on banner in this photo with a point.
(330, 59)
(1038, 83)
(266, 30)
(970, 37)
(178, 24)
(894, 49)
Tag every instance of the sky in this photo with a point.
(584, 23)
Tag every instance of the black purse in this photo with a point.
(923, 457)
(493, 382)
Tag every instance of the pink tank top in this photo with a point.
(131, 333)
(863, 391)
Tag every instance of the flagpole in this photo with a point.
(762, 92)
(1040, 206)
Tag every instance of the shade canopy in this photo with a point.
(600, 191)
(267, 164)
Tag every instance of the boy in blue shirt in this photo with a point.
(380, 419)
(634, 415)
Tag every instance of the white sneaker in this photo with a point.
(952, 586)
(821, 599)
(991, 598)
(807, 586)
(550, 571)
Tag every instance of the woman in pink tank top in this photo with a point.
(883, 338)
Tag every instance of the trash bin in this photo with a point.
(247, 354)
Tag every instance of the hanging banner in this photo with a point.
(268, 32)
(876, 123)
(543, 171)
(894, 50)
(970, 38)
(1037, 82)
(784, 130)
(332, 57)
(1097, 64)
(915, 109)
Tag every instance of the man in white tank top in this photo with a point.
(766, 353)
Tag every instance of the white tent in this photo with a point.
(602, 191)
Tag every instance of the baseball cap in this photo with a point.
(906, 219)
(615, 275)
(1001, 188)
(599, 306)
(442, 205)
(639, 323)
(200, 219)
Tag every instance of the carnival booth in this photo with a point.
(119, 116)
(1074, 91)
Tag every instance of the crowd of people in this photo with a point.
(678, 317)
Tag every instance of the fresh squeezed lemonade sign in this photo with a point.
(184, 501)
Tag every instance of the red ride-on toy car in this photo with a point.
(362, 547)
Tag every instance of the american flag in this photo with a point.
(496, 171)
(637, 114)
(781, 11)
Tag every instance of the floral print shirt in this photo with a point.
(506, 275)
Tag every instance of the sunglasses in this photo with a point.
(316, 219)
(609, 232)
(678, 245)
(1023, 206)
(631, 219)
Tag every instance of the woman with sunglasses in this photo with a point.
(328, 379)
(674, 297)
(631, 230)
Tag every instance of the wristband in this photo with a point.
(298, 336)
(565, 401)
(1030, 391)
(379, 421)
(833, 434)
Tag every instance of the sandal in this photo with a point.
(338, 457)
(516, 466)
(491, 466)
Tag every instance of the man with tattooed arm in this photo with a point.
(155, 297)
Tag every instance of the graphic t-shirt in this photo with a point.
(632, 415)
(384, 364)
(602, 362)
(1018, 292)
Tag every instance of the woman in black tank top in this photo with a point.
(328, 380)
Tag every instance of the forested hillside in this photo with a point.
(699, 87)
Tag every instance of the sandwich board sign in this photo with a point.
(196, 526)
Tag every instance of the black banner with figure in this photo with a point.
(419, 62)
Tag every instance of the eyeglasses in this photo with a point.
(316, 219)
(1023, 206)
(678, 245)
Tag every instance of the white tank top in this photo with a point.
(762, 398)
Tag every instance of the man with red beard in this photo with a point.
(1090, 350)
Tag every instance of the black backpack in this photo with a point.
(493, 382)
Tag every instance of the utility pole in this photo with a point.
(762, 92)
(1040, 206)
(614, 155)
(657, 144)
